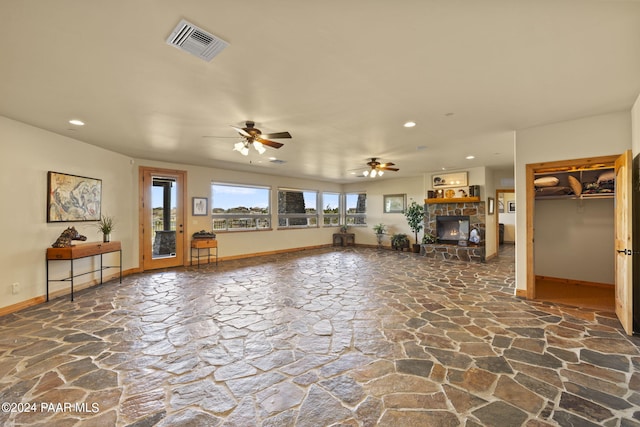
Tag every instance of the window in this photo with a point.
(356, 209)
(297, 208)
(240, 207)
(331, 209)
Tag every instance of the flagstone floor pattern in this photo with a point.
(327, 337)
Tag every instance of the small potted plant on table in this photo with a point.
(105, 226)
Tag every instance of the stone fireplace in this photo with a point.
(453, 228)
(473, 215)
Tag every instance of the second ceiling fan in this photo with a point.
(253, 136)
(377, 168)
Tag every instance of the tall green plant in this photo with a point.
(415, 217)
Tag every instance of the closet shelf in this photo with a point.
(594, 182)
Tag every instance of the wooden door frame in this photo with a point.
(141, 199)
(531, 169)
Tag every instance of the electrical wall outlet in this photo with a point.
(15, 288)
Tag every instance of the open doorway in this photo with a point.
(505, 220)
(571, 227)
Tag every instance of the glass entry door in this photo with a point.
(162, 218)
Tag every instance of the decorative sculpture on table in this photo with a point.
(64, 241)
(204, 235)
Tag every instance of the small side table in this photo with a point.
(344, 239)
(207, 244)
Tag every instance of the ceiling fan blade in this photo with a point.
(271, 144)
(384, 165)
(242, 132)
(277, 135)
(388, 168)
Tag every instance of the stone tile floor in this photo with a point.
(328, 337)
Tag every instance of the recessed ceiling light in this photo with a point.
(76, 122)
(409, 124)
(470, 157)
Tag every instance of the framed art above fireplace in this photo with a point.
(442, 180)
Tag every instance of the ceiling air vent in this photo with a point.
(196, 41)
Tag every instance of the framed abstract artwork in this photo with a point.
(72, 198)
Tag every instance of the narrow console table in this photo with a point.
(82, 250)
(207, 244)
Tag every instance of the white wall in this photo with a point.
(28, 153)
(574, 239)
(601, 135)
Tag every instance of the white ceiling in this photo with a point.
(341, 76)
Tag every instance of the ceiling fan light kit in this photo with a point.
(242, 147)
(377, 168)
(253, 136)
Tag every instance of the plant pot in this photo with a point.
(416, 248)
(106, 238)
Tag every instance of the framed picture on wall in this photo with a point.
(458, 179)
(73, 198)
(200, 206)
(395, 203)
(511, 206)
(491, 206)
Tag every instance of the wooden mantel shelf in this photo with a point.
(454, 200)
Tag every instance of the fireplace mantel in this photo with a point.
(454, 200)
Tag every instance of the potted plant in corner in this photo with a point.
(105, 226)
(399, 241)
(380, 229)
(415, 218)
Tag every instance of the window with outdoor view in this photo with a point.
(240, 207)
(356, 209)
(297, 208)
(331, 209)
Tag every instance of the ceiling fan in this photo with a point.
(253, 136)
(377, 168)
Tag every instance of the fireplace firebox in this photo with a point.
(452, 229)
